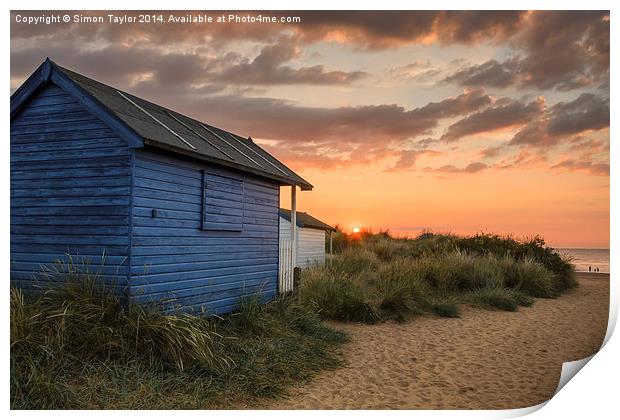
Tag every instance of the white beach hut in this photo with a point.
(310, 237)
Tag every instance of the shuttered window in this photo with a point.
(222, 204)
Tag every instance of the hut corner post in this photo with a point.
(293, 228)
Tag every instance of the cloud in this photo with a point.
(588, 112)
(222, 74)
(472, 168)
(165, 69)
(592, 168)
(389, 29)
(589, 146)
(419, 70)
(490, 74)
(277, 119)
(563, 50)
(317, 136)
(491, 152)
(505, 114)
(424, 143)
(408, 158)
(524, 158)
(267, 69)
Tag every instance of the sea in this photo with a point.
(585, 258)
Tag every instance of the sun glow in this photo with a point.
(356, 230)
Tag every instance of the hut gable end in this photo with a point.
(70, 189)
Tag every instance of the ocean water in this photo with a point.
(584, 258)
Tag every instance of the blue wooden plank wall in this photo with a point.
(70, 190)
(180, 266)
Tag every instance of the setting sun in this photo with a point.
(356, 230)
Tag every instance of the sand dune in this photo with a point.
(483, 360)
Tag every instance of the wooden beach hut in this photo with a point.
(311, 237)
(174, 211)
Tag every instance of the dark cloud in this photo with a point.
(330, 137)
(491, 152)
(388, 29)
(119, 65)
(319, 136)
(124, 65)
(502, 115)
(470, 101)
(490, 73)
(267, 69)
(587, 112)
(276, 119)
(190, 67)
(592, 168)
(408, 158)
(561, 50)
(474, 26)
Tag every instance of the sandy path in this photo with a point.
(482, 360)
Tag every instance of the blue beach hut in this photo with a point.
(177, 212)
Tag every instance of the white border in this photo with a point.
(592, 394)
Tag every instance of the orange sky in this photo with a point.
(569, 210)
(449, 121)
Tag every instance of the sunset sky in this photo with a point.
(448, 121)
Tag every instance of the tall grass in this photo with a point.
(355, 260)
(377, 278)
(501, 298)
(81, 346)
(337, 294)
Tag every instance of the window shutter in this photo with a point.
(222, 203)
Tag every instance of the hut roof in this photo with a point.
(163, 128)
(305, 220)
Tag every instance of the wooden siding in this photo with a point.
(70, 190)
(310, 243)
(179, 266)
(222, 208)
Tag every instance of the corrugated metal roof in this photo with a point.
(165, 128)
(305, 220)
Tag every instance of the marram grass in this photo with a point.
(378, 278)
(81, 347)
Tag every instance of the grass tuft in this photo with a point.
(500, 298)
(80, 346)
(446, 310)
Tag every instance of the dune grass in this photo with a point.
(377, 278)
(500, 298)
(82, 347)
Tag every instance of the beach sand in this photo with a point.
(483, 360)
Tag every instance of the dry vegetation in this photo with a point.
(375, 277)
(81, 346)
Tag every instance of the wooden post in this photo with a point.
(331, 243)
(293, 228)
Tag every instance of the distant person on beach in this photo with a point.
(590, 269)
